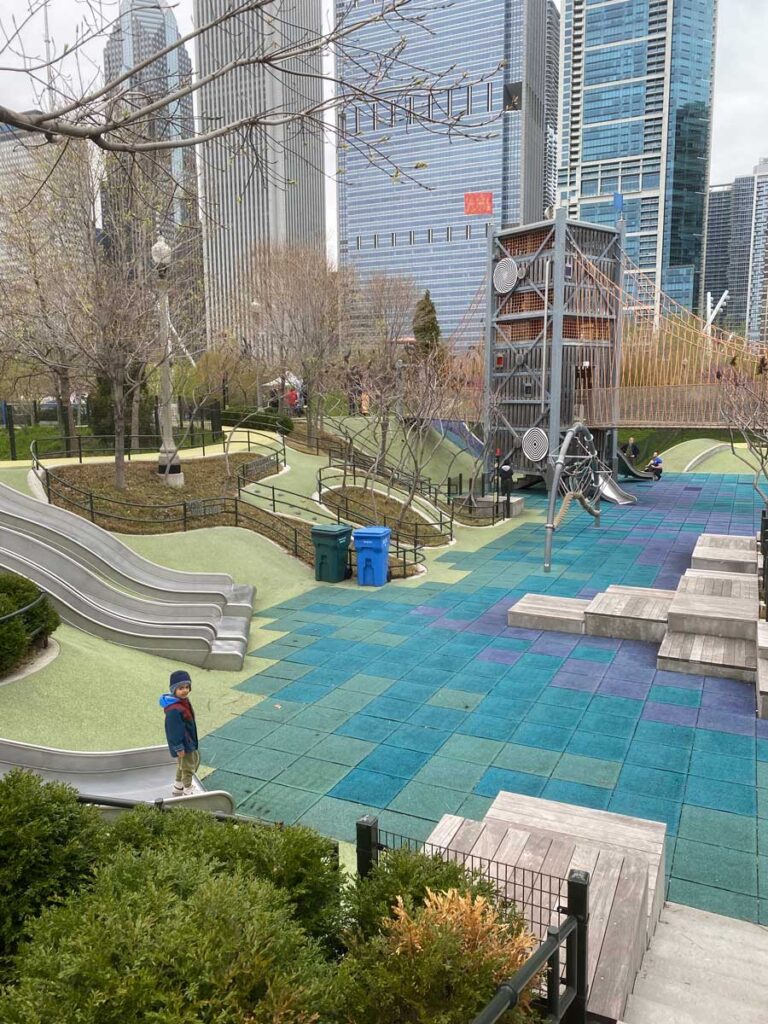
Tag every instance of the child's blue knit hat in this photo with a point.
(180, 678)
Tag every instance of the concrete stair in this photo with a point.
(702, 655)
(701, 969)
(629, 613)
(543, 611)
(723, 553)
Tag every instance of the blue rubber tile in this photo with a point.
(637, 805)
(390, 709)
(619, 706)
(367, 787)
(398, 761)
(723, 767)
(447, 719)
(504, 707)
(762, 750)
(609, 725)
(576, 793)
(496, 779)
(430, 802)
(301, 692)
(548, 737)
(654, 782)
(418, 737)
(668, 735)
(585, 653)
(675, 695)
(416, 693)
(659, 755)
(720, 796)
(487, 727)
(594, 744)
(553, 714)
(365, 727)
(553, 694)
(713, 742)
(724, 721)
(520, 689)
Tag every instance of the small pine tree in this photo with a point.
(426, 329)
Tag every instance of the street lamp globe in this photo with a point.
(161, 255)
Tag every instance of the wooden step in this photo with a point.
(714, 616)
(709, 583)
(629, 613)
(544, 611)
(707, 555)
(700, 654)
(728, 541)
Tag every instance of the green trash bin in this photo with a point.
(331, 546)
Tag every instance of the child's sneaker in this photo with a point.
(188, 791)
(177, 789)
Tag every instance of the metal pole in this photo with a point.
(168, 460)
(558, 317)
(547, 268)
(577, 947)
(490, 315)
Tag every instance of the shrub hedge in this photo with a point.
(19, 633)
(256, 419)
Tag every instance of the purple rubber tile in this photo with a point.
(487, 629)
(501, 657)
(452, 623)
(425, 609)
(678, 679)
(631, 673)
(671, 714)
(761, 728)
(521, 633)
(726, 721)
(737, 703)
(729, 687)
(570, 682)
(624, 688)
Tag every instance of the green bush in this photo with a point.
(168, 939)
(13, 637)
(48, 846)
(261, 419)
(407, 874)
(101, 411)
(40, 621)
(297, 860)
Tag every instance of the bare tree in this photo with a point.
(744, 407)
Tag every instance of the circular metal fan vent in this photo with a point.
(505, 275)
(535, 444)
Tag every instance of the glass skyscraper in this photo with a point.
(636, 118)
(737, 252)
(402, 184)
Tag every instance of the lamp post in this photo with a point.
(168, 465)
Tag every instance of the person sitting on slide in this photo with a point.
(655, 466)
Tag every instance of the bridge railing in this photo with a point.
(689, 405)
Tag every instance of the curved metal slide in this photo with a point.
(108, 557)
(610, 490)
(626, 468)
(142, 774)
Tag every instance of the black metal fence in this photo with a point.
(555, 911)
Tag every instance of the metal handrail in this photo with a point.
(20, 611)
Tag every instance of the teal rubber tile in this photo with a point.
(311, 774)
(565, 698)
(675, 695)
(362, 683)
(734, 831)
(292, 739)
(364, 787)
(474, 749)
(659, 755)
(712, 742)
(762, 803)
(218, 752)
(622, 706)
(716, 866)
(511, 708)
(447, 719)
(723, 767)
(282, 670)
(342, 749)
(494, 780)
(418, 737)
(576, 793)
(272, 710)
(596, 744)
(397, 761)
(430, 802)
(762, 750)
(554, 714)
(637, 805)
(261, 762)
(344, 700)
(301, 692)
(460, 700)
(652, 782)
(762, 877)
(590, 771)
(262, 684)
(406, 825)
(334, 818)
(364, 727)
(239, 786)
(244, 729)
(486, 727)
(279, 803)
(720, 796)
(762, 775)
(547, 736)
(475, 807)
(762, 836)
(416, 693)
(716, 901)
(322, 719)
(610, 725)
(518, 758)
(667, 735)
(444, 771)
(390, 709)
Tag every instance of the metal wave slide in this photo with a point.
(200, 619)
(140, 774)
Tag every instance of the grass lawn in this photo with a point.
(24, 436)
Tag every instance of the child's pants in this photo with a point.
(186, 767)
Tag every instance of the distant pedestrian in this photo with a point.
(631, 450)
(292, 400)
(181, 731)
(655, 466)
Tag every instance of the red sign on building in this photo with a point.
(478, 203)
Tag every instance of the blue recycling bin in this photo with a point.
(372, 547)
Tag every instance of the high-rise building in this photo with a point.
(260, 187)
(636, 116)
(737, 252)
(552, 105)
(416, 203)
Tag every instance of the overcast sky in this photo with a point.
(740, 136)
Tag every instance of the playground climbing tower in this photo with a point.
(553, 334)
